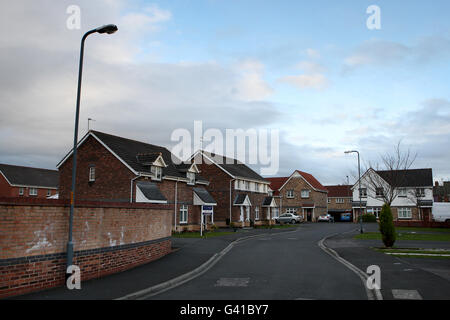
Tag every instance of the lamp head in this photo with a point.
(109, 29)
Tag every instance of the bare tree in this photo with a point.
(386, 178)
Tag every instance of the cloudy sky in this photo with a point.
(311, 69)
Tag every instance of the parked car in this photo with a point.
(441, 211)
(289, 218)
(325, 218)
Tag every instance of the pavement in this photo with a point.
(187, 255)
(401, 278)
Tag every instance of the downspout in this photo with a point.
(175, 209)
(131, 188)
(230, 197)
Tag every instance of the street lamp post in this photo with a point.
(109, 29)
(359, 189)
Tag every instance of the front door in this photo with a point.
(309, 215)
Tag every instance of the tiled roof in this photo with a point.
(204, 195)
(312, 181)
(339, 191)
(408, 178)
(26, 176)
(150, 191)
(277, 183)
(233, 166)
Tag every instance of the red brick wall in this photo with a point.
(219, 188)
(108, 238)
(5, 187)
(112, 177)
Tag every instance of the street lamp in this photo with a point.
(359, 188)
(109, 29)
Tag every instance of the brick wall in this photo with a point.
(112, 177)
(298, 184)
(108, 238)
(219, 188)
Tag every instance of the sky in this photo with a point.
(311, 69)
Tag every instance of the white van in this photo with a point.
(441, 211)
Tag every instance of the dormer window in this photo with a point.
(156, 173)
(191, 177)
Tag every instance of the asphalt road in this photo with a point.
(287, 266)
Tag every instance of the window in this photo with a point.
(329, 200)
(246, 185)
(402, 192)
(420, 192)
(275, 212)
(49, 193)
(157, 173)
(183, 213)
(404, 213)
(33, 192)
(291, 210)
(256, 213)
(363, 192)
(379, 192)
(191, 177)
(340, 200)
(21, 191)
(91, 174)
(290, 194)
(305, 193)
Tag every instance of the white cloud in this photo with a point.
(305, 81)
(250, 85)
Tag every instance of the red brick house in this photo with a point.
(242, 195)
(340, 202)
(300, 193)
(116, 169)
(18, 181)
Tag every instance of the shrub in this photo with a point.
(368, 217)
(387, 228)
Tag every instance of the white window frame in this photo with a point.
(404, 213)
(377, 194)
(340, 200)
(420, 192)
(156, 172)
(247, 185)
(328, 200)
(256, 213)
(184, 212)
(290, 194)
(191, 178)
(363, 192)
(375, 211)
(49, 192)
(33, 191)
(305, 193)
(402, 192)
(21, 191)
(291, 210)
(92, 174)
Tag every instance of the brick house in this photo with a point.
(242, 195)
(18, 181)
(300, 193)
(116, 169)
(441, 193)
(413, 193)
(339, 202)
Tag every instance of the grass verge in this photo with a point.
(406, 236)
